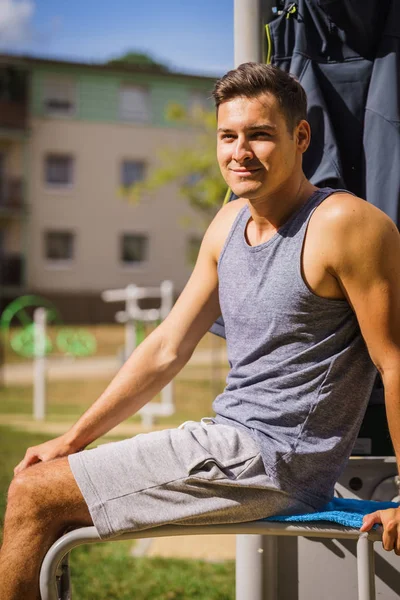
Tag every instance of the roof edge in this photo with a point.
(26, 61)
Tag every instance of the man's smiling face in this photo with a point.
(256, 153)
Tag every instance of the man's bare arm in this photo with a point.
(364, 256)
(158, 359)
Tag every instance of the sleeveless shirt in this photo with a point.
(300, 374)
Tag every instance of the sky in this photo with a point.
(188, 36)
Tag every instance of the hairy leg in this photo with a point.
(43, 500)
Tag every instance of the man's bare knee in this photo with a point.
(47, 493)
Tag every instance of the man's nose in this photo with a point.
(242, 151)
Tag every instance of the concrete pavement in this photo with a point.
(93, 367)
(212, 548)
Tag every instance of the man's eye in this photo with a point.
(227, 136)
(261, 134)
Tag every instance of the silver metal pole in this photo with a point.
(250, 17)
(256, 567)
(130, 326)
(256, 557)
(365, 568)
(167, 298)
(39, 364)
(249, 567)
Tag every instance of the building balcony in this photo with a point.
(11, 270)
(13, 115)
(11, 196)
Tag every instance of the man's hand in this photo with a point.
(50, 450)
(390, 519)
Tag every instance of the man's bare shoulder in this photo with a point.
(344, 214)
(348, 226)
(222, 224)
(346, 211)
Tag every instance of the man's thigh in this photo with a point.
(196, 475)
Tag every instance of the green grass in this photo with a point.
(107, 571)
(67, 400)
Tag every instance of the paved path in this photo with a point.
(24, 423)
(213, 548)
(92, 368)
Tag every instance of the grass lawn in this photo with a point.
(107, 571)
(67, 400)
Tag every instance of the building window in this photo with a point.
(192, 249)
(134, 104)
(59, 245)
(59, 97)
(132, 171)
(134, 248)
(59, 169)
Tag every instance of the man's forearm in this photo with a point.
(150, 367)
(391, 382)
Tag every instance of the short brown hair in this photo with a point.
(253, 79)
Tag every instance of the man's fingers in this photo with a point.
(389, 538)
(389, 518)
(30, 459)
(370, 520)
(397, 543)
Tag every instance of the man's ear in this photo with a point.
(303, 135)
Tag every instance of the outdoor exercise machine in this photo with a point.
(134, 318)
(32, 314)
(256, 570)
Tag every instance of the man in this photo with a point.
(296, 272)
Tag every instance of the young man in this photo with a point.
(302, 276)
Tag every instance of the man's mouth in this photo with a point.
(243, 172)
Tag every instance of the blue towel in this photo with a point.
(344, 511)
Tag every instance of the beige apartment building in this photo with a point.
(72, 137)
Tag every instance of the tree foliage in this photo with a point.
(194, 168)
(138, 59)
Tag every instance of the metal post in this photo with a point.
(39, 365)
(249, 567)
(130, 326)
(167, 298)
(256, 558)
(256, 567)
(365, 568)
(132, 314)
(167, 302)
(250, 17)
(167, 397)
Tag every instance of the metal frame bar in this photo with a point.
(56, 556)
(365, 568)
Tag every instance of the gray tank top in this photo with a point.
(300, 374)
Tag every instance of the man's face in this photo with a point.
(256, 153)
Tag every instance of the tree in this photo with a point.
(194, 168)
(138, 59)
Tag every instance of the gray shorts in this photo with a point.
(200, 473)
